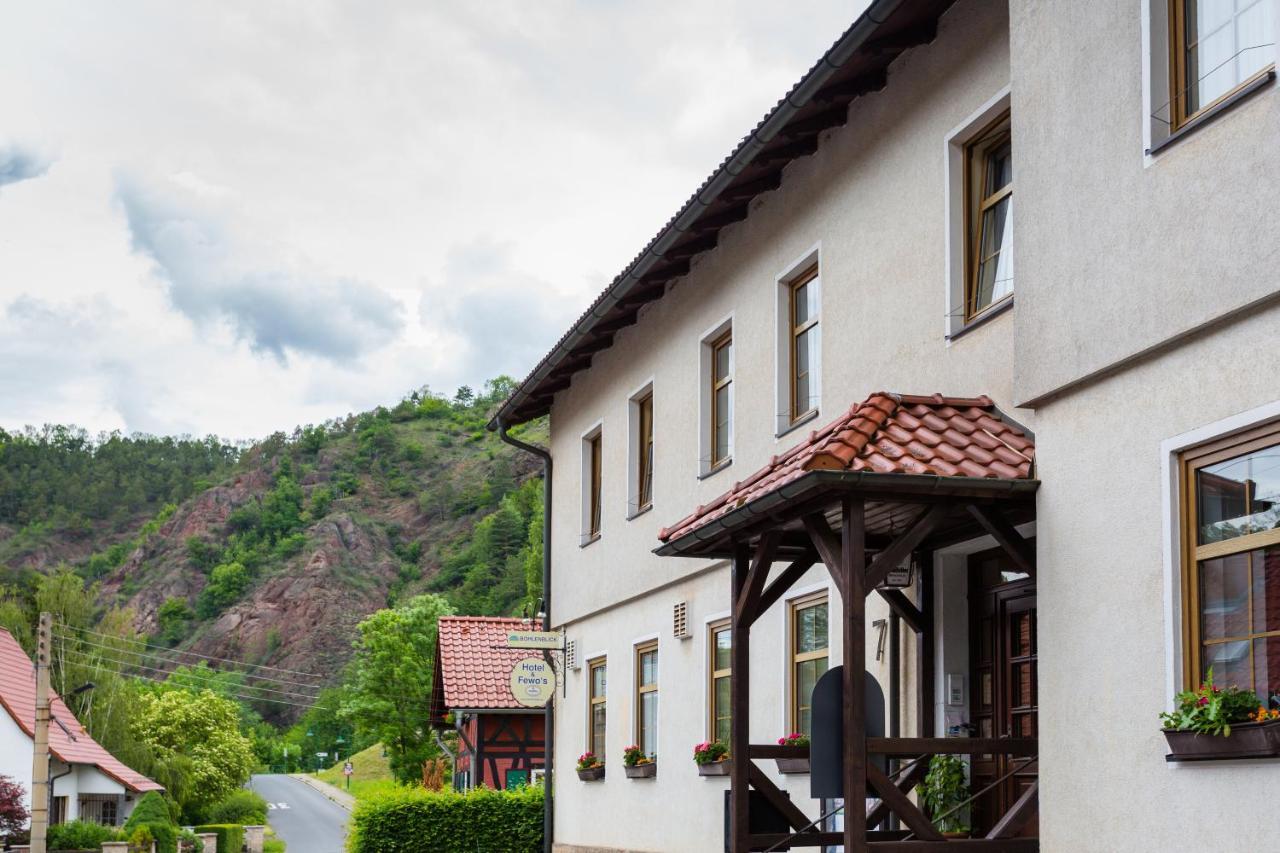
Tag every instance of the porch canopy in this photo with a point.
(895, 477)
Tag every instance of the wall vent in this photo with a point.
(680, 620)
(571, 655)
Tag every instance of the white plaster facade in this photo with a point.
(1121, 344)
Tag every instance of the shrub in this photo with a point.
(152, 812)
(445, 821)
(80, 835)
(230, 835)
(1210, 709)
(244, 807)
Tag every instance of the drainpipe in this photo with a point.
(548, 711)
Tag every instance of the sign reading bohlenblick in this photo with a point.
(533, 682)
(550, 640)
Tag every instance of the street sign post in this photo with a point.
(533, 682)
(347, 770)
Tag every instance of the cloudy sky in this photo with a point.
(235, 217)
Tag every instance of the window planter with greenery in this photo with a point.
(944, 792)
(637, 765)
(590, 768)
(789, 766)
(1214, 722)
(712, 758)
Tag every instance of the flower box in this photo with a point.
(789, 766)
(1247, 740)
(647, 770)
(592, 774)
(716, 768)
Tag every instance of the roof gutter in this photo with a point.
(875, 15)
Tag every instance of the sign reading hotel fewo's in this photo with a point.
(548, 640)
(533, 682)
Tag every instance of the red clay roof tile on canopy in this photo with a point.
(68, 740)
(475, 663)
(889, 434)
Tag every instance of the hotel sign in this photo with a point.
(545, 640)
(533, 682)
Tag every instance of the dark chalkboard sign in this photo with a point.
(826, 746)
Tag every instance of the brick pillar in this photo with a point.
(209, 840)
(253, 836)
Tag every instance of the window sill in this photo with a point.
(588, 538)
(641, 511)
(716, 469)
(1218, 759)
(982, 319)
(797, 423)
(1226, 104)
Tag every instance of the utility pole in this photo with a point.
(40, 793)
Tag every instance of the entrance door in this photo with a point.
(1003, 675)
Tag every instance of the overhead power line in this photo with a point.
(168, 650)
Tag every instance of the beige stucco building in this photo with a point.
(861, 240)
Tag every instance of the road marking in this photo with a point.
(282, 805)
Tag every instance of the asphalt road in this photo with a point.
(308, 821)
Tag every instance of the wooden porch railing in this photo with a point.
(891, 791)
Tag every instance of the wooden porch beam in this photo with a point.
(913, 746)
(909, 780)
(740, 711)
(745, 605)
(1020, 551)
(904, 608)
(901, 806)
(1017, 816)
(963, 845)
(782, 583)
(852, 569)
(762, 783)
(924, 524)
(828, 547)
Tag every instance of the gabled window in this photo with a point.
(804, 294)
(592, 485)
(989, 214)
(1216, 48)
(808, 653)
(596, 684)
(1231, 568)
(719, 665)
(646, 713)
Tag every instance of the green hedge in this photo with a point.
(80, 835)
(416, 821)
(230, 835)
(242, 806)
(153, 813)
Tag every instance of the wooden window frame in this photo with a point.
(1179, 88)
(593, 701)
(718, 383)
(642, 689)
(794, 330)
(713, 674)
(595, 498)
(1189, 462)
(991, 136)
(644, 453)
(796, 657)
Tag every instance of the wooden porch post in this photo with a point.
(739, 707)
(924, 650)
(853, 565)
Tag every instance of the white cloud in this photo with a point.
(333, 203)
(20, 163)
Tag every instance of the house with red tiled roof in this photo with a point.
(1063, 512)
(500, 741)
(89, 783)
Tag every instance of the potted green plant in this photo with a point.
(637, 765)
(590, 768)
(944, 792)
(1220, 722)
(712, 758)
(798, 764)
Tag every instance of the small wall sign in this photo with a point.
(533, 682)
(549, 640)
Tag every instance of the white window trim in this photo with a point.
(584, 482)
(705, 340)
(1170, 450)
(782, 423)
(792, 595)
(633, 450)
(954, 238)
(706, 664)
